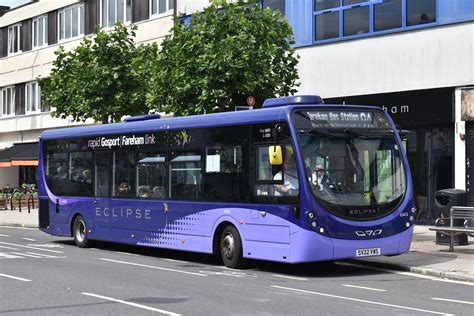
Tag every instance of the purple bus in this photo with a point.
(296, 181)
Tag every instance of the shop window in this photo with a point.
(421, 12)
(14, 43)
(40, 31)
(161, 6)
(327, 25)
(325, 4)
(388, 15)
(356, 21)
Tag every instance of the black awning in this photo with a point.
(23, 151)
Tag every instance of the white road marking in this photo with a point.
(153, 267)
(359, 300)
(289, 277)
(14, 277)
(454, 301)
(162, 311)
(364, 288)
(10, 227)
(8, 256)
(127, 253)
(29, 239)
(174, 260)
(46, 256)
(236, 274)
(11, 248)
(35, 248)
(2, 235)
(45, 245)
(25, 255)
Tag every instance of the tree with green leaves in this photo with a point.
(221, 56)
(104, 78)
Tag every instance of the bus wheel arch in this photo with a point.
(227, 244)
(79, 231)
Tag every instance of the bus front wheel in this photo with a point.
(231, 248)
(79, 232)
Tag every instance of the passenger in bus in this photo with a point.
(124, 189)
(85, 177)
(61, 172)
(290, 186)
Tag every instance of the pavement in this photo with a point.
(425, 256)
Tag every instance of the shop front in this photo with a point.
(427, 120)
(19, 165)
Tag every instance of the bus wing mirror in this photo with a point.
(275, 155)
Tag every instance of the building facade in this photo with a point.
(414, 58)
(29, 36)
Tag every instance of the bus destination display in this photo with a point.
(341, 119)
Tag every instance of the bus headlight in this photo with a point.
(314, 224)
(413, 209)
(310, 215)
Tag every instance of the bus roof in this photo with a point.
(263, 115)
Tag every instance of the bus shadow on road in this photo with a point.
(327, 269)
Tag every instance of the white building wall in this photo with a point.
(427, 58)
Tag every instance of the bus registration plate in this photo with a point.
(368, 252)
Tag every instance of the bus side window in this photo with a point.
(102, 173)
(151, 172)
(185, 175)
(124, 173)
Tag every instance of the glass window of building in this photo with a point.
(327, 25)
(40, 31)
(114, 11)
(161, 6)
(351, 2)
(14, 33)
(388, 15)
(7, 101)
(275, 5)
(325, 4)
(33, 97)
(356, 21)
(71, 22)
(421, 12)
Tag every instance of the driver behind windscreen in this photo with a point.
(290, 186)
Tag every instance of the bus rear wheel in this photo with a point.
(231, 248)
(79, 232)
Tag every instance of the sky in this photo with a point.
(12, 3)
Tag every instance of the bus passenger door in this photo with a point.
(102, 180)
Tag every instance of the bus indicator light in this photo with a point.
(241, 222)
